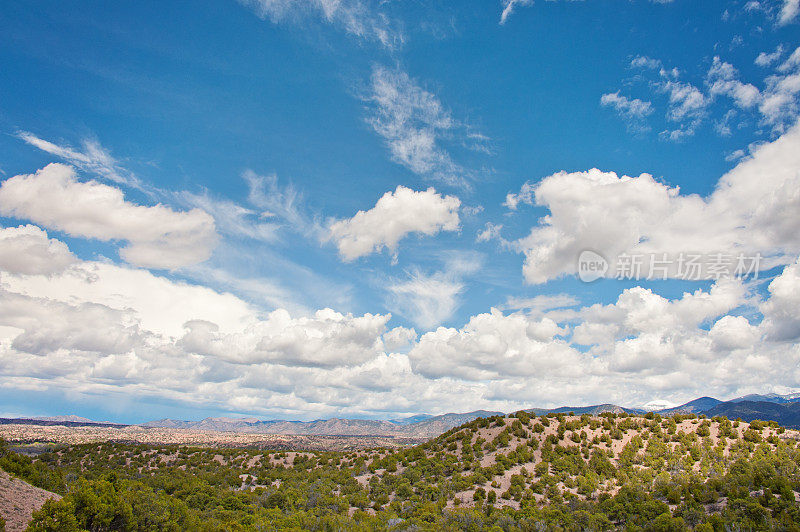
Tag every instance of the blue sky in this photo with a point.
(409, 167)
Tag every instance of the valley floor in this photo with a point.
(76, 435)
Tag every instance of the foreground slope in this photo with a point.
(18, 501)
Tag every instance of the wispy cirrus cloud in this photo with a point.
(285, 203)
(509, 6)
(231, 218)
(269, 208)
(788, 12)
(234, 228)
(94, 158)
(415, 125)
(364, 19)
(541, 304)
(428, 299)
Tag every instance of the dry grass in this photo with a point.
(18, 500)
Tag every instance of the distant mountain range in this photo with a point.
(423, 425)
(697, 406)
(785, 409)
(59, 421)
(72, 419)
(786, 414)
(768, 398)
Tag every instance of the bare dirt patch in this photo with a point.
(18, 500)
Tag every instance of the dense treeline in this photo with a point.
(515, 473)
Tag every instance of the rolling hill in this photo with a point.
(515, 472)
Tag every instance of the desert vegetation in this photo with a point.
(516, 472)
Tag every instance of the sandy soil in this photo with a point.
(18, 500)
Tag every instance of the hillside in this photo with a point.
(18, 500)
(516, 459)
(593, 410)
(519, 472)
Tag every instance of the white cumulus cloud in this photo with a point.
(26, 249)
(754, 208)
(395, 215)
(103, 329)
(326, 339)
(493, 345)
(781, 319)
(156, 237)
